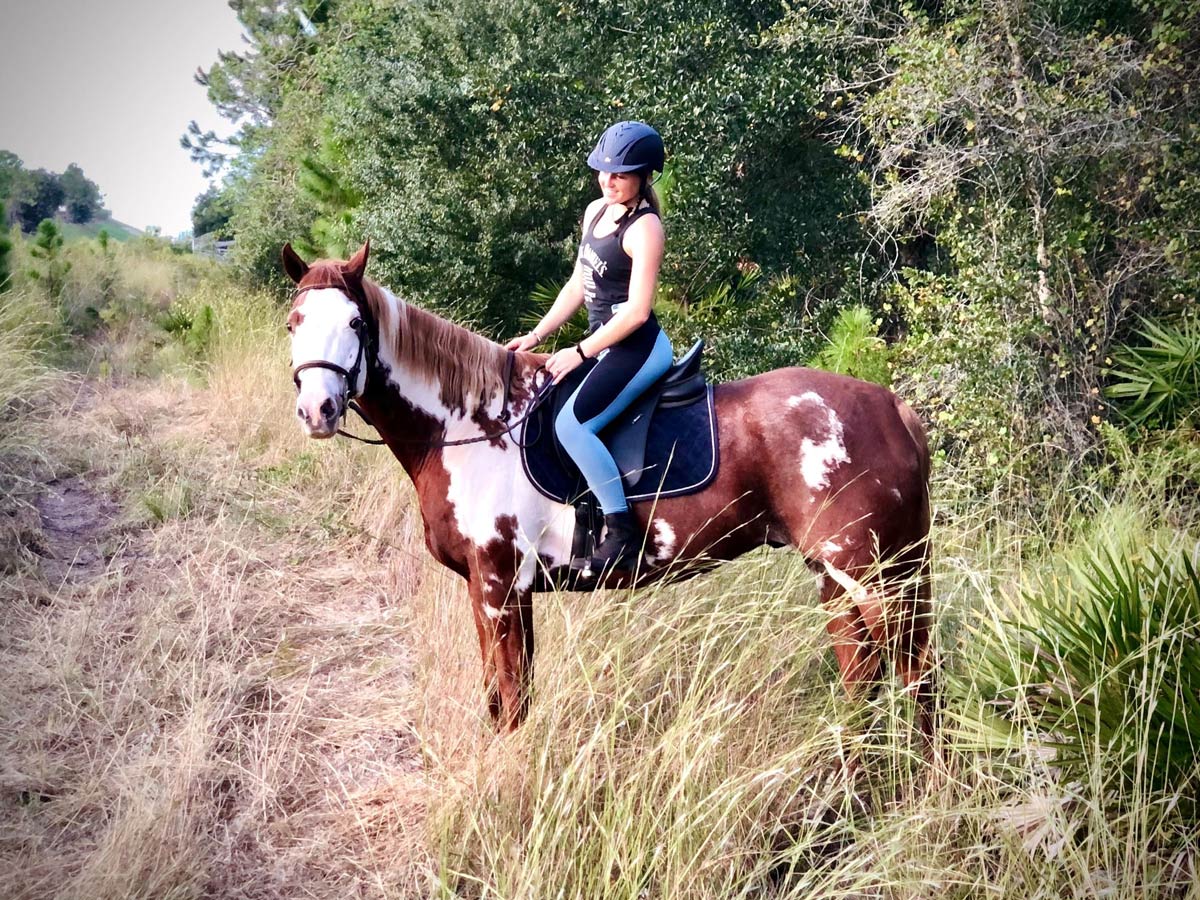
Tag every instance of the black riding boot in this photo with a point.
(619, 550)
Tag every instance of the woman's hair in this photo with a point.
(647, 192)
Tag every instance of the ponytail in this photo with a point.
(648, 193)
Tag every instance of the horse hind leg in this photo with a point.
(860, 661)
(896, 609)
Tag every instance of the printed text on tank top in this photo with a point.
(605, 266)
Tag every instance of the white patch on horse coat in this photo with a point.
(831, 547)
(664, 540)
(487, 482)
(820, 582)
(896, 493)
(492, 612)
(857, 592)
(818, 459)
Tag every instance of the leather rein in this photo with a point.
(367, 353)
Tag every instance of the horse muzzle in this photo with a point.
(318, 415)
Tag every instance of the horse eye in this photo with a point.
(356, 323)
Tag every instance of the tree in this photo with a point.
(466, 126)
(47, 247)
(1029, 164)
(80, 195)
(212, 212)
(37, 196)
(11, 168)
(5, 248)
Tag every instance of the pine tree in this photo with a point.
(47, 247)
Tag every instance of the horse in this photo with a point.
(834, 467)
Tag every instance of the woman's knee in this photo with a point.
(567, 427)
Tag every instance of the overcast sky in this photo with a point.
(109, 85)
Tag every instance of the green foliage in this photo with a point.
(332, 231)
(1107, 659)
(81, 196)
(11, 168)
(466, 126)
(748, 324)
(36, 196)
(5, 248)
(211, 213)
(47, 247)
(855, 348)
(1158, 383)
(193, 328)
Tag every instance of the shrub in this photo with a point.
(1107, 661)
(855, 348)
(1158, 383)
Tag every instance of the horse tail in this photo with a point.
(920, 670)
(917, 432)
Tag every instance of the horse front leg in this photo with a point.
(504, 621)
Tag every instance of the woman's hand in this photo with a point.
(523, 343)
(563, 362)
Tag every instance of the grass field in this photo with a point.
(232, 670)
(118, 231)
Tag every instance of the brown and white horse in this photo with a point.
(834, 467)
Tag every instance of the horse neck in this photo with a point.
(437, 380)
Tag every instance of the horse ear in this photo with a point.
(358, 262)
(295, 267)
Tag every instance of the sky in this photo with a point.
(110, 85)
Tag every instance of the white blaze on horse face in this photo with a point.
(323, 332)
(819, 458)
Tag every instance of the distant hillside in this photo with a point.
(117, 231)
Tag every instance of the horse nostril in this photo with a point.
(301, 414)
(327, 408)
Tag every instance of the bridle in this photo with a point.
(361, 330)
(367, 352)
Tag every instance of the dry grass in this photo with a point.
(271, 691)
(230, 707)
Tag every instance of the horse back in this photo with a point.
(835, 457)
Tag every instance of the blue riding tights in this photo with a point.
(620, 375)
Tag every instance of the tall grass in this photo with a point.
(276, 692)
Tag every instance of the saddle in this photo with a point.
(664, 444)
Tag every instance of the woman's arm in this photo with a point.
(569, 299)
(644, 244)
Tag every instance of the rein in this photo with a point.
(543, 391)
(366, 352)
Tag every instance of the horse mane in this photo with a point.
(468, 367)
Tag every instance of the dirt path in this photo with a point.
(74, 522)
(208, 695)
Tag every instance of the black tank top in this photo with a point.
(606, 269)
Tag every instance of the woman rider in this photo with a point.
(615, 275)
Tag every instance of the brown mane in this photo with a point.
(469, 368)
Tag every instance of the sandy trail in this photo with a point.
(206, 693)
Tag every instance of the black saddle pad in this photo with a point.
(681, 453)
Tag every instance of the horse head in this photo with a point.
(332, 330)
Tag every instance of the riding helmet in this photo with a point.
(628, 147)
